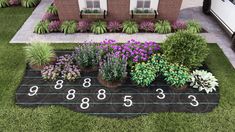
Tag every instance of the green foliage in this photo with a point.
(193, 26)
(159, 62)
(29, 3)
(143, 73)
(163, 27)
(113, 69)
(185, 48)
(87, 55)
(99, 27)
(39, 53)
(42, 27)
(130, 27)
(69, 27)
(176, 75)
(52, 9)
(4, 3)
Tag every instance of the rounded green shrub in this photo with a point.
(193, 26)
(42, 27)
(69, 27)
(143, 73)
(29, 3)
(4, 3)
(163, 27)
(130, 27)
(177, 75)
(185, 48)
(99, 27)
(39, 53)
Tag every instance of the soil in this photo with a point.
(107, 84)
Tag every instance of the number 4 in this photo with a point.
(127, 101)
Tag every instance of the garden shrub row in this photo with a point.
(143, 62)
(24, 3)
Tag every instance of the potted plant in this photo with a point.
(112, 71)
(39, 54)
(177, 76)
(87, 57)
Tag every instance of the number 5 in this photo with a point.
(127, 101)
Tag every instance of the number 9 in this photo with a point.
(33, 91)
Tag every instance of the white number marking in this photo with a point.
(33, 91)
(127, 101)
(194, 101)
(86, 83)
(161, 94)
(59, 84)
(101, 94)
(85, 103)
(71, 94)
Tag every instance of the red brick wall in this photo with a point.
(118, 10)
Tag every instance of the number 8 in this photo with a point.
(101, 94)
(59, 84)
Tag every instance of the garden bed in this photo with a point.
(144, 99)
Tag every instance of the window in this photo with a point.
(143, 4)
(93, 4)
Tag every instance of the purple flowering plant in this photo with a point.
(179, 25)
(147, 26)
(83, 26)
(14, 2)
(54, 26)
(50, 72)
(49, 16)
(70, 72)
(134, 51)
(114, 26)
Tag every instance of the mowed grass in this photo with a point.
(56, 118)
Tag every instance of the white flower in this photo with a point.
(203, 80)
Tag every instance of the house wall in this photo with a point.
(118, 10)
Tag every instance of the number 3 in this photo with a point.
(194, 101)
(161, 94)
(127, 101)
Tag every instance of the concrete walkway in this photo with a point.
(215, 35)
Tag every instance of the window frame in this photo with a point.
(143, 8)
(93, 5)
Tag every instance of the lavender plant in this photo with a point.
(51, 72)
(113, 68)
(147, 26)
(83, 26)
(63, 61)
(87, 55)
(114, 26)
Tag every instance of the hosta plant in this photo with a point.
(87, 55)
(83, 26)
(147, 26)
(130, 27)
(99, 27)
(39, 54)
(51, 72)
(70, 72)
(179, 25)
(114, 26)
(42, 27)
(143, 74)
(162, 27)
(193, 26)
(4, 3)
(113, 68)
(203, 80)
(14, 2)
(177, 75)
(69, 27)
(54, 26)
(29, 3)
(185, 48)
(52, 9)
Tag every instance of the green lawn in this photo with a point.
(55, 118)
